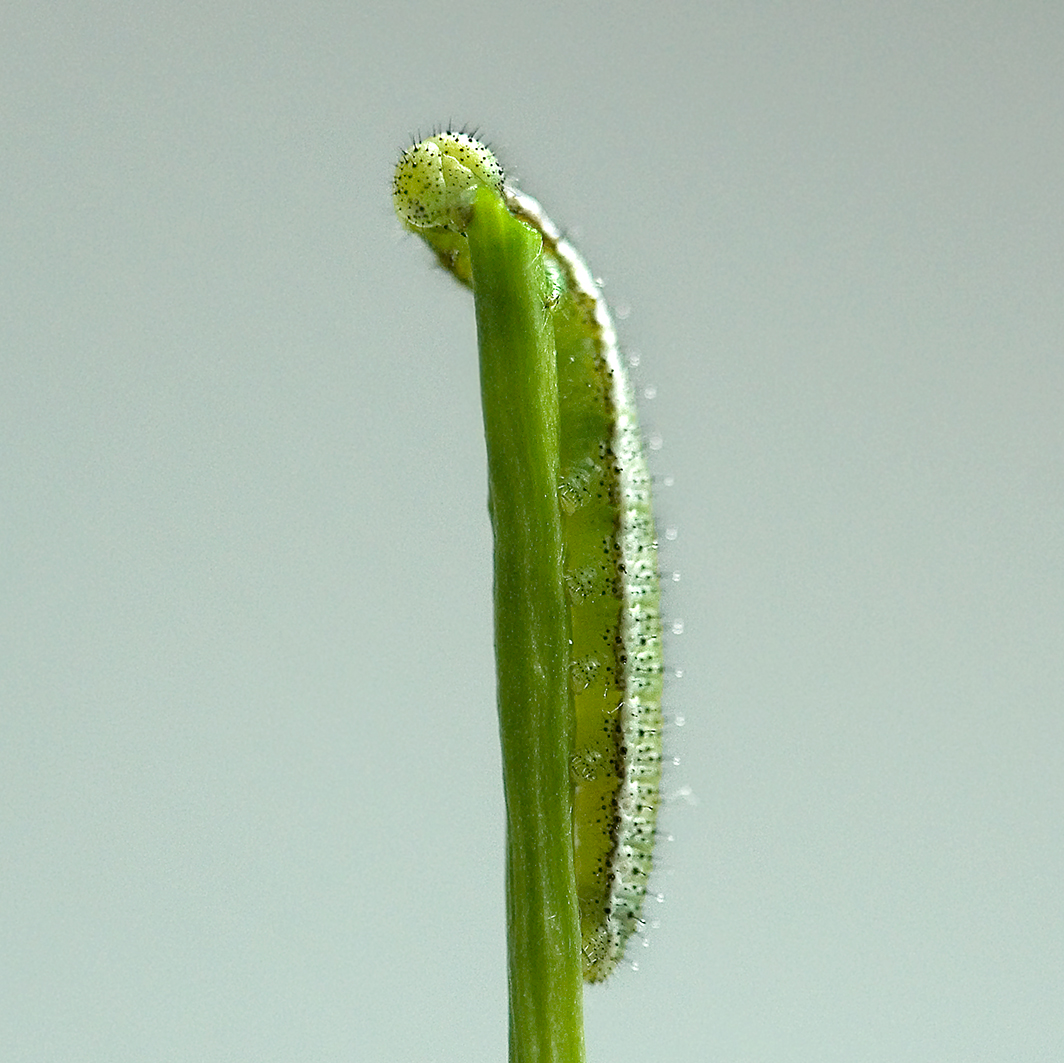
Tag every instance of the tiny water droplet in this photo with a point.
(677, 627)
(650, 392)
(670, 534)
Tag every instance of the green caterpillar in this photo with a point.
(611, 552)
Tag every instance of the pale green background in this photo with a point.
(249, 789)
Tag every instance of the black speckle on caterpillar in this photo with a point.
(611, 571)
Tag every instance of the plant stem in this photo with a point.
(520, 394)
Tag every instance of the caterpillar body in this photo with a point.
(611, 571)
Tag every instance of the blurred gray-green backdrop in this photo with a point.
(249, 791)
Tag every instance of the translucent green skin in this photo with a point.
(612, 581)
(612, 577)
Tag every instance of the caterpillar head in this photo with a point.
(436, 181)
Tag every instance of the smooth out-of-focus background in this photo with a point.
(250, 805)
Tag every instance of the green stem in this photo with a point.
(520, 394)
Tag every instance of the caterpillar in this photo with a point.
(611, 573)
